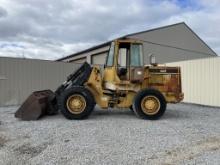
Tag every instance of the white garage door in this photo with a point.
(99, 58)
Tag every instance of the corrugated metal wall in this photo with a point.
(201, 80)
(19, 77)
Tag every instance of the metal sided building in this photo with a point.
(170, 43)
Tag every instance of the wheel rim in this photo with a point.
(150, 105)
(76, 104)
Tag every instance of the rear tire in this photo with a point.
(76, 103)
(149, 104)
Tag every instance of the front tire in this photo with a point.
(149, 104)
(76, 103)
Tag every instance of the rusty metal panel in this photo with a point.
(168, 81)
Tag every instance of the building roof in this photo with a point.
(130, 35)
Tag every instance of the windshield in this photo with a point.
(110, 57)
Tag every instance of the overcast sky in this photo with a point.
(50, 29)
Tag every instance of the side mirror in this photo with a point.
(152, 59)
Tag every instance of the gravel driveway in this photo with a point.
(187, 134)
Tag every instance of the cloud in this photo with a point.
(53, 28)
(203, 19)
(3, 12)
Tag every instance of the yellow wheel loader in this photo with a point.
(124, 82)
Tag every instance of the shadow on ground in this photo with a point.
(127, 113)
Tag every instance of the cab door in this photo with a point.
(110, 77)
(123, 61)
(130, 62)
(136, 67)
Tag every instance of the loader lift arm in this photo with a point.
(78, 77)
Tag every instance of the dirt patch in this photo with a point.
(32, 151)
(187, 153)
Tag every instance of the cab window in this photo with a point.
(123, 54)
(110, 58)
(136, 55)
(122, 57)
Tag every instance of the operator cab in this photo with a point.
(126, 56)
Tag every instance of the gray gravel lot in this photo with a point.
(187, 134)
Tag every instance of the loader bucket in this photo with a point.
(35, 106)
